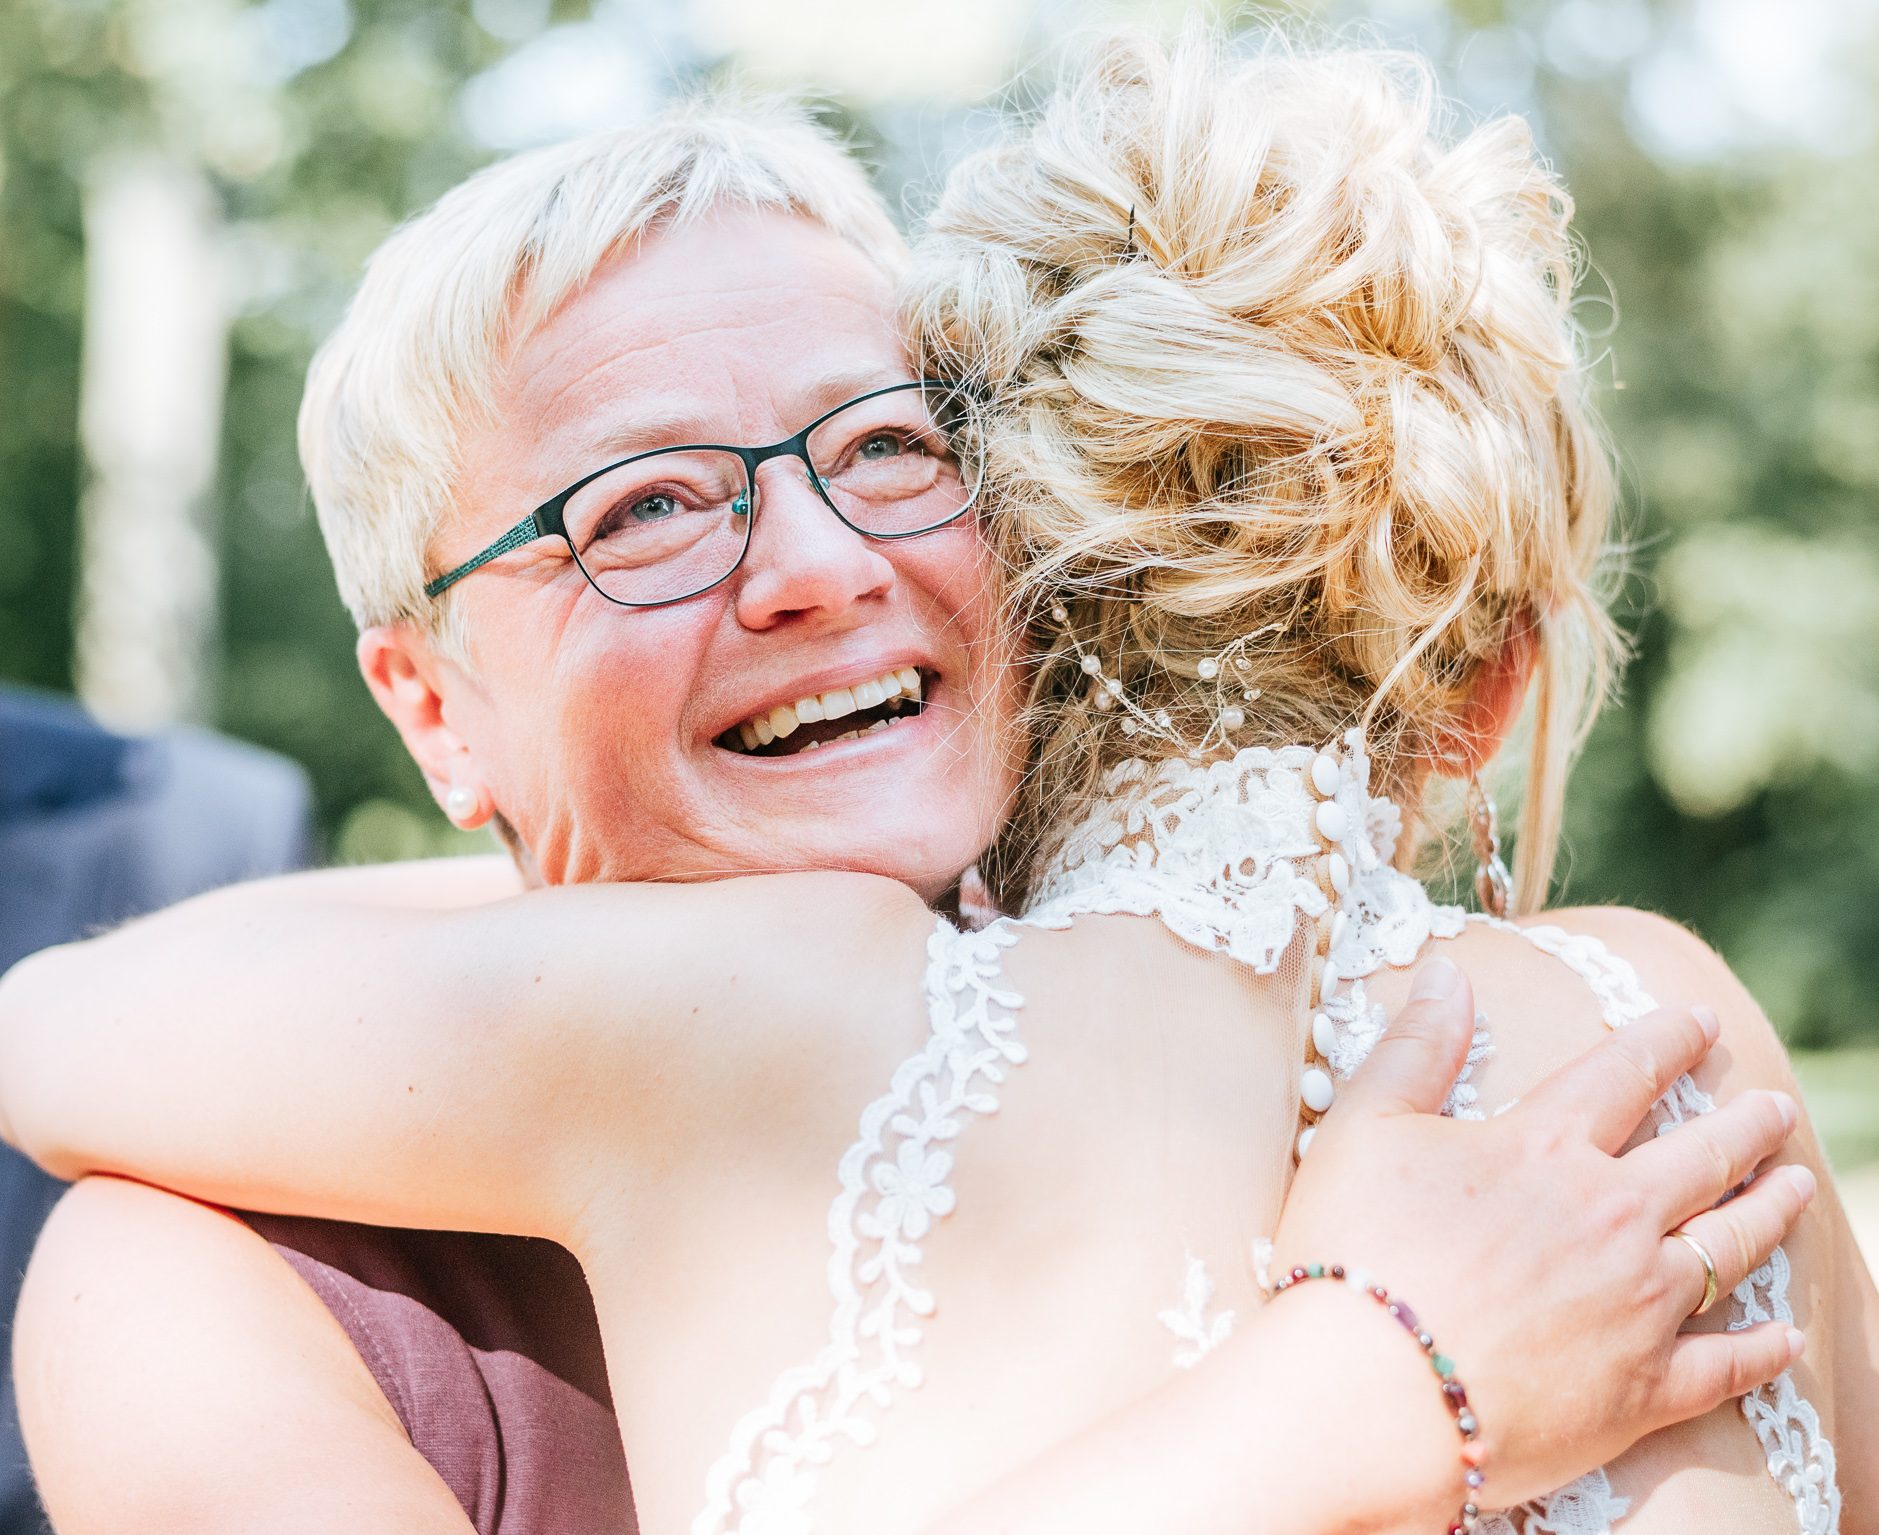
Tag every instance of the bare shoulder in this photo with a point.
(161, 1344)
(1678, 969)
(1540, 1012)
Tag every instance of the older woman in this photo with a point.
(616, 305)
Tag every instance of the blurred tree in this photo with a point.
(1737, 787)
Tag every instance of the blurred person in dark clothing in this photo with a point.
(96, 828)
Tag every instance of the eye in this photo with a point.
(879, 445)
(653, 508)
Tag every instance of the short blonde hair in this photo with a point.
(1260, 347)
(451, 292)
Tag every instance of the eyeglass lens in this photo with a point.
(670, 524)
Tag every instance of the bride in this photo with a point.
(1277, 412)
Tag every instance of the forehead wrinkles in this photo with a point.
(743, 385)
(687, 341)
(687, 297)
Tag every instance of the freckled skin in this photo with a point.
(590, 726)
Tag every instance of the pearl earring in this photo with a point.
(460, 804)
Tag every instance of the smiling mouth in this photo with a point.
(821, 719)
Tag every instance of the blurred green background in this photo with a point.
(1724, 158)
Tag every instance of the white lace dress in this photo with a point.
(1228, 857)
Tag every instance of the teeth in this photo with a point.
(837, 703)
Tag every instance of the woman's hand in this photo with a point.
(1535, 1254)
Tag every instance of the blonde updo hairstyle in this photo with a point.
(1260, 351)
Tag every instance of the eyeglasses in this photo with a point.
(666, 525)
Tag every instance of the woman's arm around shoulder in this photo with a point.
(325, 1045)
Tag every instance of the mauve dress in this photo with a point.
(488, 1350)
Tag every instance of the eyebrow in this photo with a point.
(648, 430)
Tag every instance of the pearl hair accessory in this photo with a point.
(460, 804)
(1107, 693)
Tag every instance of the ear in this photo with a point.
(1494, 704)
(408, 680)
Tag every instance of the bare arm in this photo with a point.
(333, 1045)
(1219, 1435)
(176, 1378)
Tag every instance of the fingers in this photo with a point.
(1612, 1086)
(1417, 1060)
(1740, 1235)
(1707, 1369)
(1693, 1166)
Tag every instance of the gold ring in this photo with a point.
(1709, 1270)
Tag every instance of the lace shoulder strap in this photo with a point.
(894, 1183)
(1798, 1454)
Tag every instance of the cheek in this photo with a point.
(619, 695)
(982, 625)
(958, 572)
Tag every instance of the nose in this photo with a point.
(804, 563)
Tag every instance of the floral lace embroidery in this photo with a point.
(1198, 1333)
(1357, 1024)
(893, 1187)
(1798, 1454)
(1224, 854)
(1221, 853)
(1587, 1506)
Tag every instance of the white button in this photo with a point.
(1328, 984)
(1340, 924)
(1332, 822)
(1324, 774)
(1304, 1140)
(1316, 1089)
(1339, 868)
(1323, 1035)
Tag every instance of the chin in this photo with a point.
(928, 861)
(915, 816)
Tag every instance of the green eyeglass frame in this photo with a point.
(549, 519)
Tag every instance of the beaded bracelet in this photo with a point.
(1454, 1395)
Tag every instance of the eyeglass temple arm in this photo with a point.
(524, 532)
